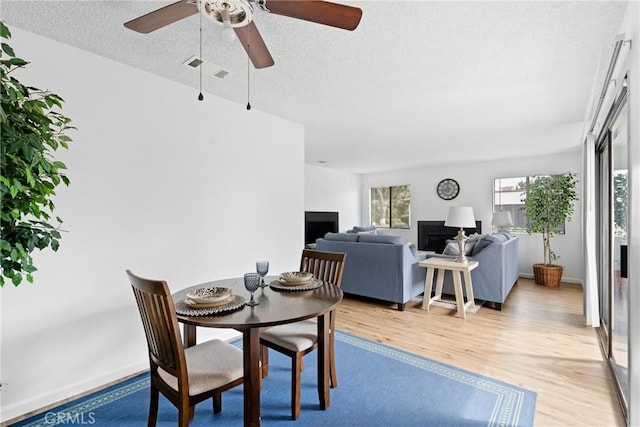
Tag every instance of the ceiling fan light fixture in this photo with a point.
(228, 13)
(228, 34)
(238, 14)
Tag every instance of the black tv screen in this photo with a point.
(317, 224)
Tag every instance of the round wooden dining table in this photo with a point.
(276, 307)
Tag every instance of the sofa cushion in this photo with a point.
(487, 240)
(380, 238)
(344, 237)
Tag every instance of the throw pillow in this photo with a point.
(474, 237)
(468, 246)
(487, 240)
(361, 228)
(453, 248)
(412, 248)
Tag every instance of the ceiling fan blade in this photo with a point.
(321, 12)
(252, 42)
(162, 17)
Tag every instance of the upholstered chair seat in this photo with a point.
(210, 365)
(295, 337)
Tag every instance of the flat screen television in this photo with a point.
(317, 224)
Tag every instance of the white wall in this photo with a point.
(332, 190)
(162, 184)
(476, 184)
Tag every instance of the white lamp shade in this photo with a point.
(502, 219)
(461, 217)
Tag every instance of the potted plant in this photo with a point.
(548, 205)
(32, 129)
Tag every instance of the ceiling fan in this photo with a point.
(238, 14)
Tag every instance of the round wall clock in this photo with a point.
(448, 189)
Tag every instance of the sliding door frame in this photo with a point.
(604, 144)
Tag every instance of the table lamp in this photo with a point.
(460, 216)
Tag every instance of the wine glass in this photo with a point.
(262, 267)
(252, 283)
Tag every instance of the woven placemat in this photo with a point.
(278, 286)
(183, 309)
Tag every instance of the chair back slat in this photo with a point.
(160, 323)
(327, 266)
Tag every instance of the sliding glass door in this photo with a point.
(603, 167)
(613, 213)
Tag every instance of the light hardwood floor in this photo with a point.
(538, 341)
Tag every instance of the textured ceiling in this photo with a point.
(417, 83)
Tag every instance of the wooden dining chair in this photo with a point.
(300, 338)
(184, 376)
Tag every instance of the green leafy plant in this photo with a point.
(32, 129)
(549, 204)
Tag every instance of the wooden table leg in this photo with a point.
(188, 335)
(457, 287)
(428, 284)
(439, 282)
(323, 361)
(251, 363)
(471, 302)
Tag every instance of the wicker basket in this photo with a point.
(547, 275)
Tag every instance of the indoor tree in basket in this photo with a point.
(32, 129)
(548, 205)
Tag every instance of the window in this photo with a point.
(508, 195)
(390, 206)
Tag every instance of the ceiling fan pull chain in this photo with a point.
(200, 96)
(248, 75)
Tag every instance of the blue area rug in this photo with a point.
(378, 386)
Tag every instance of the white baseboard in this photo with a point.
(52, 398)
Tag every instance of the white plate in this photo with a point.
(296, 277)
(208, 304)
(209, 295)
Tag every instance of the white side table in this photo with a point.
(458, 269)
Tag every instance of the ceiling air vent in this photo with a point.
(221, 74)
(208, 68)
(195, 63)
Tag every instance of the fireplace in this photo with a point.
(432, 235)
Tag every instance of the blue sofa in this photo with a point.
(493, 279)
(378, 266)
